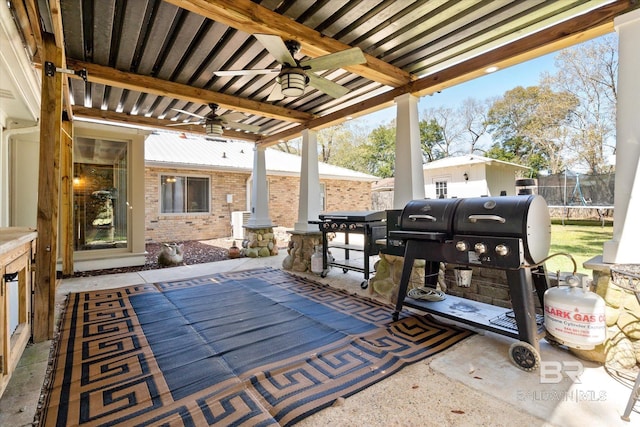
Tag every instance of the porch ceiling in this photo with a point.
(145, 58)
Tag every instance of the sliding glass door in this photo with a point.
(100, 194)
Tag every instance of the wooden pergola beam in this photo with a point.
(32, 36)
(48, 187)
(152, 85)
(251, 18)
(66, 195)
(151, 122)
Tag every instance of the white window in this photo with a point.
(441, 189)
(184, 194)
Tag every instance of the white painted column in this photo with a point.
(623, 248)
(259, 192)
(309, 201)
(409, 177)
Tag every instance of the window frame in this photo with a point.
(162, 176)
(439, 184)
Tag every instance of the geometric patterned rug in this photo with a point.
(256, 347)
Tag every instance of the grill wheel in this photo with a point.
(524, 356)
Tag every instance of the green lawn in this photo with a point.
(583, 241)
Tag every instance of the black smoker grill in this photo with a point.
(371, 224)
(511, 233)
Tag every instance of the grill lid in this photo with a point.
(429, 215)
(354, 216)
(525, 217)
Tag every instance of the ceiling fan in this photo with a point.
(294, 75)
(214, 124)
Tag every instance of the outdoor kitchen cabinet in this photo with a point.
(17, 248)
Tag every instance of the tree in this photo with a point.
(431, 140)
(291, 147)
(526, 125)
(329, 139)
(449, 133)
(589, 73)
(473, 115)
(335, 139)
(379, 153)
(351, 153)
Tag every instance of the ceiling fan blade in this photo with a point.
(276, 92)
(340, 59)
(327, 86)
(185, 124)
(222, 73)
(243, 126)
(187, 112)
(233, 117)
(276, 48)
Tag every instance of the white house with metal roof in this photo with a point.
(471, 175)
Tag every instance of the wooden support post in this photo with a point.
(66, 200)
(48, 186)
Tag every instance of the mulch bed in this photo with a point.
(194, 253)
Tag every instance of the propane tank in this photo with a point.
(574, 315)
(316, 260)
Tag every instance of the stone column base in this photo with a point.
(259, 242)
(621, 349)
(386, 280)
(301, 247)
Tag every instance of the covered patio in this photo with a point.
(111, 70)
(472, 383)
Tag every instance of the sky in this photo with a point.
(488, 86)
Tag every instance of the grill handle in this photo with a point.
(427, 217)
(497, 218)
(331, 218)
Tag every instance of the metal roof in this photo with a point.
(468, 159)
(173, 150)
(146, 58)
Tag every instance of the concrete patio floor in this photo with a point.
(471, 384)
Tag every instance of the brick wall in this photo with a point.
(347, 195)
(488, 285)
(198, 226)
(283, 203)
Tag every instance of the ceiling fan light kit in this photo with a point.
(293, 82)
(294, 75)
(213, 128)
(214, 124)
